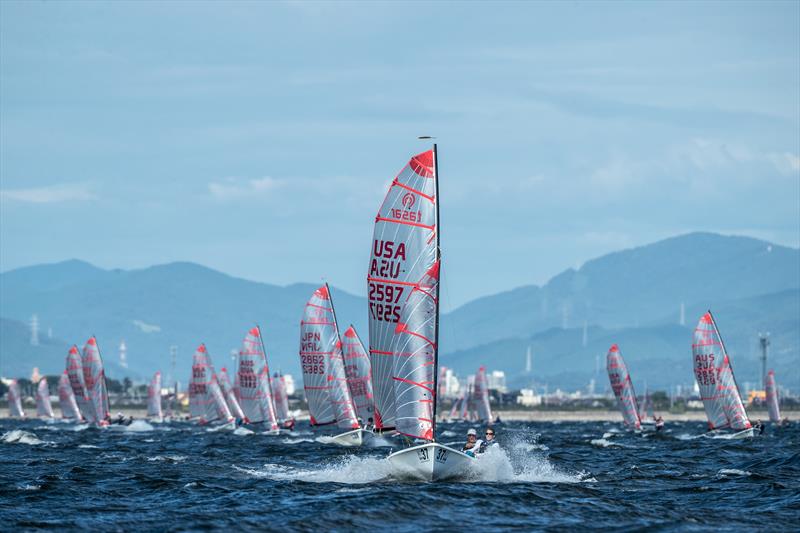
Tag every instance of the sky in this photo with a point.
(259, 138)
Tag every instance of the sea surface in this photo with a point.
(179, 476)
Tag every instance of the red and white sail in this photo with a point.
(75, 373)
(66, 398)
(94, 379)
(229, 394)
(321, 358)
(43, 406)
(281, 397)
(404, 250)
(359, 375)
(772, 397)
(414, 349)
(622, 386)
(469, 386)
(206, 402)
(714, 375)
(14, 400)
(154, 397)
(252, 383)
(481, 396)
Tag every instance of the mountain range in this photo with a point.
(633, 297)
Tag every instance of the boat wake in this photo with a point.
(349, 470)
(18, 436)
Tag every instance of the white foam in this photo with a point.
(351, 470)
(18, 436)
(603, 443)
(295, 441)
(518, 465)
(167, 458)
(139, 426)
(89, 446)
(243, 431)
(733, 472)
(448, 433)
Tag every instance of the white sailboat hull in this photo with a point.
(351, 438)
(430, 462)
(724, 434)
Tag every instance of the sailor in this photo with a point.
(370, 424)
(472, 443)
(489, 442)
(120, 419)
(659, 423)
(759, 426)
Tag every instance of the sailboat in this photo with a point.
(154, 411)
(359, 376)
(714, 375)
(44, 409)
(75, 373)
(481, 396)
(252, 383)
(403, 294)
(229, 394)
(622, 386)
(646, 414)
(771, 390)
(285, 418)
(455, 409)
(97, 410)
(324, 378)
(14, 400)
(206, 402)
(66, 399)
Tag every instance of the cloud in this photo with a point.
(50, 194)
(232, 188)
(145, 327)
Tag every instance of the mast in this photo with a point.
(339, 341)
(438, 301)
(269, 377)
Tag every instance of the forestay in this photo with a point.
(281, 397)
(481, 396)
(205, 397)
(94, 379)
(772, 397)
(321, 359)
(66, 398)
(14, 400)
(623, 387)
(714, 375)
(251, 383)
(75, 373)
(403, 251)
(414, 349)
(43, 406)
(229, 394)
(359, 377)
(154, 397)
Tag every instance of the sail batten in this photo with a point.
(714, 376)
(622, 386)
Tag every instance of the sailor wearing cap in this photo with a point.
(472, 443)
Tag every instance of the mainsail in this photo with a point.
(324, 377)
(414, 349)
(281, 397)
(15, 400)
(66, 398)
(154, 397)
(94, 379)
(359, 377)
(481, 395)
(623, 387)
(251, 383)
(43, 406)
(454, 412)
(714, 375)
(205, 397)
(75, 373)
(772, 398)
(229, 394)
(404, 250)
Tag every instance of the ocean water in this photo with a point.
(179, 476)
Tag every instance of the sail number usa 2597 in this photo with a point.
(384, 293)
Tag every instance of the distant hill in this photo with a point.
(657, 354)
(630, 287)
(635, 292)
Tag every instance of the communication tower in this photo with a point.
(35, 330)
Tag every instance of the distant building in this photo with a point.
(451, 384)
(529, 398)
(497, 381)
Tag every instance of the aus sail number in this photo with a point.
(386, 313)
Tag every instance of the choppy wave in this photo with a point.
(19, 436)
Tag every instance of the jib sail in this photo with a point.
(230, 397)
(359, 376)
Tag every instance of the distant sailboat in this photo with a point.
(324, 378)
(66, 399)
(622, 386)
(455, 413)
(359, 375)
(75, 373)
(772, 398)
(206, 402)
(229, 394)
(44, 409)
(282, 401)
(481, 397)
(714, 375)
(94, 380)
(252, 382)
(403, 293)
(14, 400)
(646, 414)
(154, 411)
